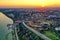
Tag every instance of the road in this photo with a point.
(38, 33)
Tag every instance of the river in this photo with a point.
(4, 20)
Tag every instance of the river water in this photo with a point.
(4, 20)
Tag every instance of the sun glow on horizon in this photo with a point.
(29, 3)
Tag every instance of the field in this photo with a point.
(51, 35)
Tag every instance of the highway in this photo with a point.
(36, 32)
(15, 32)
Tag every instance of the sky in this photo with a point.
(30, 3)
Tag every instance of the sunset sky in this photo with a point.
(29, 3)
